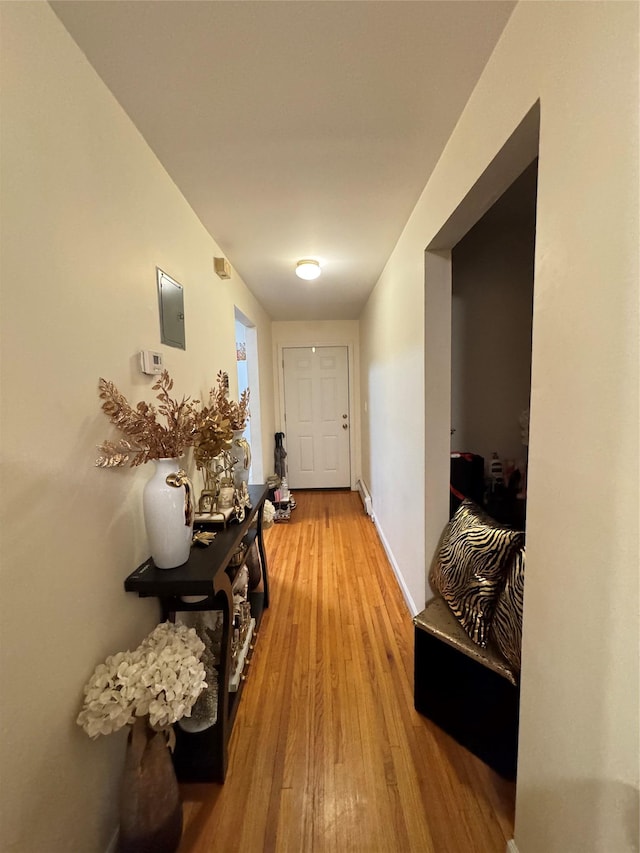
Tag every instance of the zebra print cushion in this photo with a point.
(469, 568)
(506, 626)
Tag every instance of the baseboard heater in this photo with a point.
(366, 498)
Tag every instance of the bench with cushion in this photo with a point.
(467, 639)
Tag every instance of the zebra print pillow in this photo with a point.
(470, 566)
(507, 619)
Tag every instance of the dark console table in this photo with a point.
(203, 756)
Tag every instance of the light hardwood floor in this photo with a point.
(328, 753)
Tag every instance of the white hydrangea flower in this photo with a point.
(162, 678)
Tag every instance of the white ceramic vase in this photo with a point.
(242, 452)
(167, 501)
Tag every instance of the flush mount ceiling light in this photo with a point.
(308, 269)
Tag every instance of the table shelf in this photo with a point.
(203, 756)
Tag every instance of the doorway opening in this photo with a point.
(517, 154)
(248, 375)
(492, 270)
(457, 359)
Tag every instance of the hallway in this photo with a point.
(327, 752)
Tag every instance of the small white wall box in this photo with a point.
(150, 362)
(222, 267)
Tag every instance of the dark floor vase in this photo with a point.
(150, 807)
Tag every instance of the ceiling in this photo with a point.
(304, 129)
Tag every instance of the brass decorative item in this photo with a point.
(207, 502)
(242, 451)
(241, 501)
(204, 537)
(178, 479)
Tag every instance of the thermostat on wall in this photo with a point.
(150, 362)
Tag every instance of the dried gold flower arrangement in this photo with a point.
(146, 438)
(237, 413)
(212, 436)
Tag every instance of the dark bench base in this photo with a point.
(473, 704)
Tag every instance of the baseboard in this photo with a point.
(403, 587)
(511, 847)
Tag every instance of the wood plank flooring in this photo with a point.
(327, 753)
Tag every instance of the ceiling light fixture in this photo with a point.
(308, 269)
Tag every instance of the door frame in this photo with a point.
(253, 371)
(354, 419)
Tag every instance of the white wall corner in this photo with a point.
(511, 847)
(405, 591)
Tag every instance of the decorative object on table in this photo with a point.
(207, 502)
(241, 450)
(213, 434)
(237, 413)
(226, 494)
(466, 479)
(222, 453)
(241, 501)
(149, 690)
(241, 614)
(217, 516)
(254, 567)
(146, 439)
(204, 537)
(167, 501)
(496, 472)
(470, 566)
(216, 503)
(238, 556)
(208, 626)
(167, 498)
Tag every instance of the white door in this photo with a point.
(317, 427)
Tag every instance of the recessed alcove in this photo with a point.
(492, 272)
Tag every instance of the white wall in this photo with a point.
(491, 314)
(87, 214)
(392, 393)
(320, 333)
(578, 769)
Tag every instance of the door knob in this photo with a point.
(345, 426)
